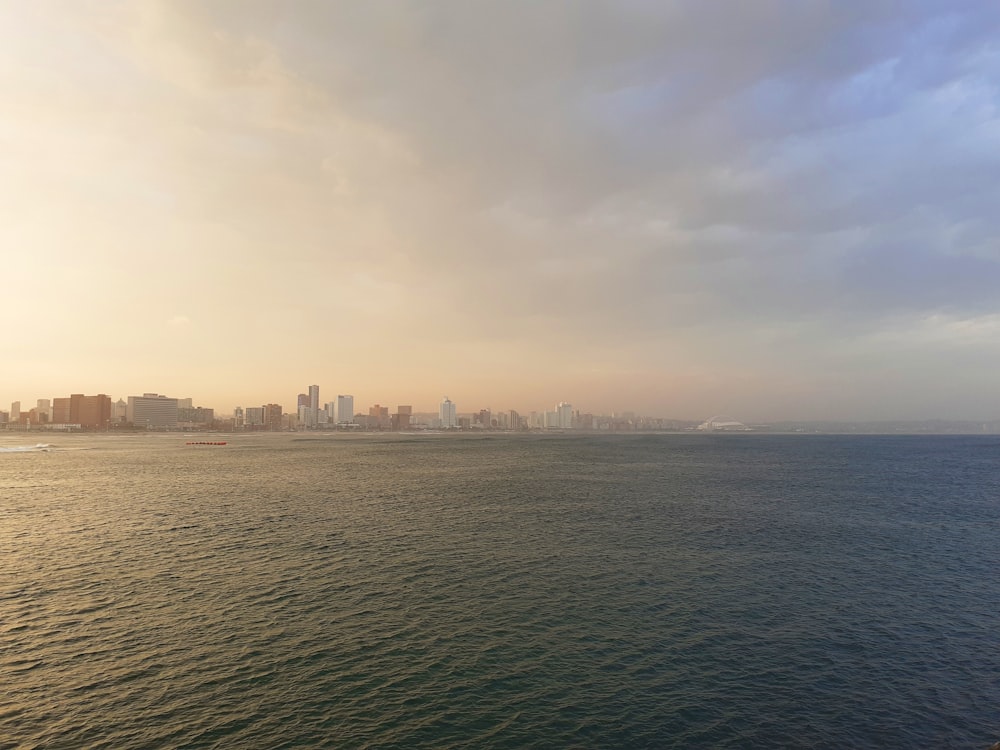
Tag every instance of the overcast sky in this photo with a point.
(772, 210)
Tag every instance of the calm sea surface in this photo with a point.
(500, 592)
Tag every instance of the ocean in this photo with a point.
(499, 591)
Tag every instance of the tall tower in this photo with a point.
(565, 415)
(447, 413)
(313, 414)
(345, 409)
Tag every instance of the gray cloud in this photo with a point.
(792, 182)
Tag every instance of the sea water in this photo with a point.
(500, 591)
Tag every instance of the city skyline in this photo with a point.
(777, 211)
(335, 409)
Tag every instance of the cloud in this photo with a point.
(752, 186)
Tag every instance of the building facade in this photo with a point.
(254, 417)
(151, 411)
(345, 409)
(447, 414)
(272, 417)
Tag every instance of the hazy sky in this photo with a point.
(768, 209)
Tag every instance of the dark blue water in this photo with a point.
(501, 592)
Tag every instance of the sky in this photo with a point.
(773, 210)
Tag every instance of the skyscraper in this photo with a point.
(447, 414)
(272, 416)
(313, 405)
(564, 413)
(254, 417)
(345, 409)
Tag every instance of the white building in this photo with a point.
(254, 416)
(345, 409)
(564, 419)
(151, 411)
(447, 414)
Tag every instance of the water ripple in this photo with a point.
(527, 592)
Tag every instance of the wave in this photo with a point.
(26, 448)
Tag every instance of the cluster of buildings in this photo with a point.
(150, 411)
(153, 411)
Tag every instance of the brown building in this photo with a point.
(378, 417)
(272, 417)
(37, 416)
(92, 412)
(60, 411)
(401, 419)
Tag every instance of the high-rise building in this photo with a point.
(15, 411)
(313, 418)
(238, 418)
(447, 414)
(345, 409)
(272, 416)
(151, 411)
(44, 407)
(90, 411)
(378, 417)
(195, 417)
(564, 420)
(401, 419)
(119, 411)
(60, 411)
(254, 417)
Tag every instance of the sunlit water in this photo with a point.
(500, 592)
